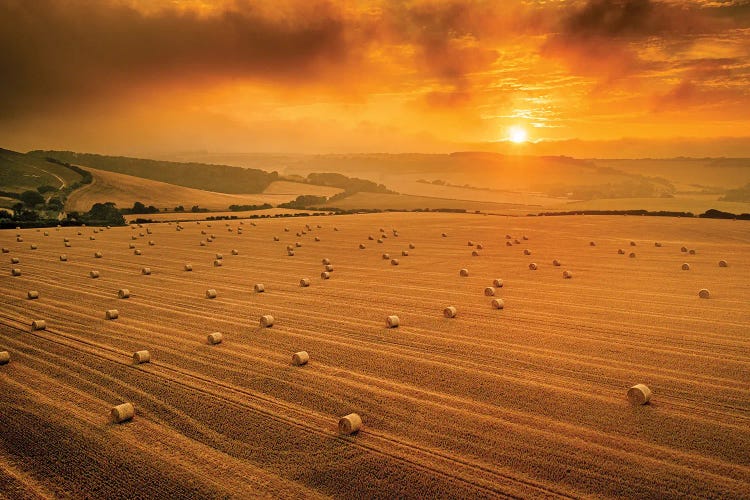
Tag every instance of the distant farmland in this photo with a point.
(528, 400)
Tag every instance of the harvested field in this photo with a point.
(525, 401)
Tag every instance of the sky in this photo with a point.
(607, 78)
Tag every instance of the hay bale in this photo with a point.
(704, 293)
(723, 263)
(335, 228)
(32, 294)
(508, 237)
(508, 244)
(533, 266)
(516, 242)
(6, 250)
(15, 272)
(4, 357)
(470, 243)
(657, 244)
(620, 251)
(404, 253)
(525, 237)
(380, 240)
(450, 312)
(92, 238)
(137, 252)
(300, 358)
(259, 288)
(131, 246)
(298, 244)
(290, 253)
(19, 240)
(527, 251)
(686, 267)
(217, 263)
(67, 240)
(94, 274)
(498, 303)
(556, 263)
(639, 394)
(140, 357)
(38, 324)
(316, 238)
(304, 282)
(122, 413)
(592, 243)
(97, 255)
(350, 424)
(146, 271)
(266, 321)
(15, 260)
(412, 246)
(133, 237)
(219, 256)
(392, 321)
(683, 249)
(325, 261)
(214, 338)
(289, 247)
(325, 275)
(386, 256)
(464, 273)
(210, 293)
(276, 238)
(329, 268)
(111, 314)
(632, 243)
(33, 246)
(691, 252)
(444, 235)
(480, 246)
(188, 267)
(46, 233)
(235, 251)
(361, 246)
(632, 255)
(497, 283)
(567, 275)
(394, 262)
(371, 238)
(489, 291)
(123, 293)
(63, 258)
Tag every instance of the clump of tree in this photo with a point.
(100, 214)
(31, 199)
(245, 208)
(304, 201)
(46, 188)
(140, 208)
(179, 208)
(196, 209)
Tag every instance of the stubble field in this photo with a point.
(527, 401)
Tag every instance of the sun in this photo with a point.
(517, 134)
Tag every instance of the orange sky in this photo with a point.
(159, 76)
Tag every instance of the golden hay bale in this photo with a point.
(276, 238)
(686, 267)
(188, 267)
(266, 321)
(46, 233)
(525, 237)
(386, 256)
(67, 245)
(123, 293)
(33, 246)
(350, 424)
(92, 238)
(620, 251)
(556, 263)
(489, 291)
(404, 253)
(480, 246)
(214, 338)
(508, 244)
(474, 253)
(217, 263)
(94, 274)
(567, 275)
(508, 237)
(533, 266)
(639, 394)
(133, 237)
(316, 238)
(380, 240)
(4, 357)
(691, 252)
(527, 252)
(235, 251)
(516, 242)
(394, 262)
(148, 230)
(122, 413)
(19, 239)
(723, 263)
(210, 293)
(111, 314)
(146, 271)
(32, 294)
(325, 261)
(632, 243)
(97, 255)
(592, 243)
(298, 234)
(66, 240)
(497, 283)
(335, 228)
(463, 272)
(63, 258)
(329, 268)
(298, 244)
(289, 247)
(325, 275)
(304, 282)
(632, 255)
(361, 246)
(15, 260)
(444, 235)
(131, 246)
(470, 243)
(300, 358)
(290, 253)
(392, 321)
(137, 252)
(450, 312)
(371, 238)
(139, 234)
(498, 303)
(141, 357)
(259, 288)
(38, 324)
(657, 244)
(412, 246)
(219, 256)
(15, 272)
(683, 249)
(6, 250)
(704, 293)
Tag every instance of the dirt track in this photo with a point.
(526, 401)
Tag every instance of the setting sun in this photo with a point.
(517, 134)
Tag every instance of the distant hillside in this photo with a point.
(217, 178)
(20, 172)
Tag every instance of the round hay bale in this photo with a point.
(489, 291)
(386, 256)
(97, 255)
(450, 312)
(32, 294)
(683, 249)
(464, 273)
(259, 288)
(392, 321)
(63, 258)
(133, 237)
(632, 255)
(657, 244)
(38, 324)
(516, 242)
(15, 272)
(111, 314)
(474, 253)
(508, 237)
(219, 256)
(188, 267)
(15, 260)
(412, 246)
(148, 230)
(214, 338)
(131, 246)
(94, 274)
(92, 238)
(33, 246)
(686, 267)
(527, 252)
(316, 238)
(567, 275)
(556, 263)
(67, 240)
(141, 357)
(217, 263)
(691, 252)
(361, 246)
(639, 394)
(290, 253)
(371, 238)
(470, 243)
(146, 271)
(325, 275)
(123, 293)
(298, 244)
(508, 244)
(19, 240)
(480, 246)
(137, 252)
(325, 261)
(210, 293)
(298, 234)
(723, 263)
(335, 228)
(497, 283)
(266, 321)
(704, 293)
(122, 413)
(380, 240)
(632, 243)
(394, 262)
(620, 251)
(300, 358)
(6, 250)
(235, 251)
(498, 303)
(4, 357)
(329, 268)
(350, 424)
(276, 238)
(525, 237)
(444, 235)
(592, 243)
(46, 233)
(404, 253)
(304, 282)
(533, 266)
(141, 234)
